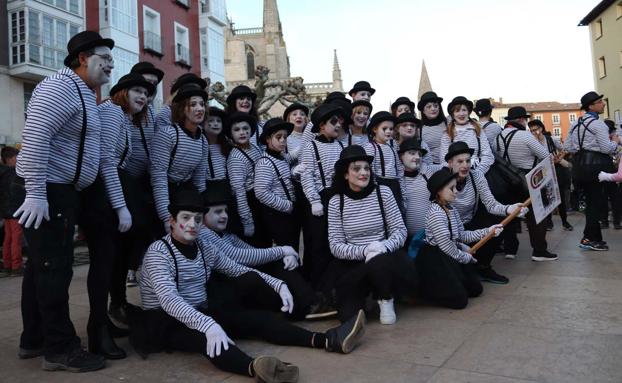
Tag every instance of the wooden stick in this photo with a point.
(507, 220)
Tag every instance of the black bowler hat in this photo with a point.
(334, 96)
(379, 118)
(145, 67)
(611, 125)
(217, 112)
(187, 198)
(439, 180)
(295, 106)
(217, 192)
(517, 112)
(84, 41)
(272, 126)
(460, 100)
(351, 154)
(483, 106)
(239, 117)
(412, 144)
(406, 117)
(403, 101)
(458, 147)
(189, 90)
(589, 98)
(426, 98)
(188, 78)
(362, 103)
(339, 99)
(130, 80)
(323, 112)
(239, 92)
(362, 85)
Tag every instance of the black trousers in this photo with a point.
(611, 197)
(593, 201)
(537, 233)
(482, 219)
(509, 237)
(301, 208)
(563, 180)
(261, 237)
(301, 290)
(283, 228)
(48, 273)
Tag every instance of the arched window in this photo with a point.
(250, 65)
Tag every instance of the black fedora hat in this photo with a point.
(240, 117)
(379, 118)
(272, 126)
(189, 90)
(589, 98)
(323, 112)
(218, 192)
(239, 92)
(403, 101)
(295, 106)
(438, 180)
(460, 100)
(188, 78)
(458, 147)
(145, 67)
(217, 112)
(362, 103)
(186, 198)
(516, 112)
(483, 106)
(362, 85)
(412, 144)
(130, 80)
(84, 41)
(406, 117)
(428, 97)
(351, 154)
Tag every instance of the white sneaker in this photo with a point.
(387, 312)
(510, 256)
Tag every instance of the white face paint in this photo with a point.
(195, 110)
(213, 126)
(461, 116)
(298, 118)
(278, 141)
(461, 164)
(401, 109)
(406, 130)
(241, 132)
(383, 132)
(431, 110)
(216, 218)
(360, 117)
(99, 66)
(361, 95)
(332, 127)
(137, 97)
(244, 104)
(358, 175)
(411, 160)
(186, 225)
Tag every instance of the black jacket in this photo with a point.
(7, 175)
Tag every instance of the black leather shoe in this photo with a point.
(346, 337)
(101, 343)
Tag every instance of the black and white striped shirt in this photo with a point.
(179, 299)
(492, 130)
(138, 163)
(269, 189)
(312, 181)
(116, 149)
(596, 137)
(386, 163)
(361, 223)
(241, 170)
(446, 231)
(417, 197)
(296, 142)
(350, 139)
(468, 199)
(164, 118)
(51, 137)
(188, 163)
(216, 163)
(482, 158)
(432, 136)
(231, 246)
(524, 150)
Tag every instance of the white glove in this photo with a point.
(564, 163)
(374, 249)
(523, 210)
(288, 250)
(496, 229)
(605, 177)
(249, 230)
(299, 169)
(32, 211)
(167, 227)
(317, 209)
(287, 299)
(125, 219)
(474, 163)
(290, 262)
(217, 339)
(464, 247)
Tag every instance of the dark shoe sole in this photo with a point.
(589, 247)
(323, 315)
(269, 369)
(494, 281)
(52, 366)
(354, 337)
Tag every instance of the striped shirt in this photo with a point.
(138, 163)
(524, 150)
(417, 197)
(231, 246)
(386, 163)
(116, 148)
(179, 299)
(216, 163)
(446, 231)
(432, 136)
(296, 142)
(468, 199)
(481, 159)
(312, 181)
(350, 139)
(492, 130)
(361, 223)
(188, 163)
(51, 137)
(241, 170)
(268, 187)
(596, 137)
(164, 118)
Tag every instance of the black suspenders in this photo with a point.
(76, 177)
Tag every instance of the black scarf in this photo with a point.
(425, 121)
(275, 154)
(360, 194)
(411, 173)
(516, 125)
(188, 251)
(322, 138)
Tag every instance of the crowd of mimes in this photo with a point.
(209, 205)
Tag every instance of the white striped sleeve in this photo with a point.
(268, 188)
(161, 148)
(395, 222)
(239, 251)
(307, 178)
(487, 158)
(228, 267)
(112, 122)
(237, 167)
(337, 237)
(438, 224)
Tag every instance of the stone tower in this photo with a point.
(337, 83)
(424, 81)
(276, 50)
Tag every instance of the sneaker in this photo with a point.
(269, 369)
(510, 256)
(346, 337)
(487, 274)
(567, 226)
(543, 256)
(29, 353)
(387, 311)
(77, 360)
(131, 279)
(586, 244)
(325, 308)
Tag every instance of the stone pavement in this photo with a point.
(555, 322)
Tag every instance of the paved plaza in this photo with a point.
(555, 322)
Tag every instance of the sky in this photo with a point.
(520, 50)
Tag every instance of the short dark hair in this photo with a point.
(75, 63)
(8, 152)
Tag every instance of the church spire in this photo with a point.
(424, 81)
(337, 83)
(271, 20)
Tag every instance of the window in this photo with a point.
(204, 6)
(18, 37)
(182, 53)
(572, 117)
(124, 60)
(47, 39)
(151, 26)
(218, 9)
(598, 29)
(538, 117)
(216, 53)
(28, 89)
(123, 16)
(602, 69)
(606, 112)
(250, 65)
(556, 118)
(72, 6)
(203, 46)
(557, 132)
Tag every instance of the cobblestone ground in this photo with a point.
(555, 322)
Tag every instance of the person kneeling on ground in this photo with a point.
(176, 315)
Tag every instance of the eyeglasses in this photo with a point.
(106, 57)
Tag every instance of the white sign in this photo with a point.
(543, 188)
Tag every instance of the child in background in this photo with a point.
(12, 245)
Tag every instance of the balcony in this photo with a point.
(152, 42)
(182, 55)
(248, 31)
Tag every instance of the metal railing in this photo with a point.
(153, 41)
(247, 31)
(182, 54)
